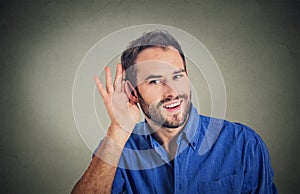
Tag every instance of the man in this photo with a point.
(161, 154)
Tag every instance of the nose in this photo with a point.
(169, 91)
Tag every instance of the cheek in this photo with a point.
(149, 95)
(183, 86)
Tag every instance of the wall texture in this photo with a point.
(256, 45)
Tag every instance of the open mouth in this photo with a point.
(173, 106)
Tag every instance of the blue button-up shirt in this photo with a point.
(213, 156)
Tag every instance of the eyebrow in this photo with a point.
(160, 76)
(179, 71)
(153, 77)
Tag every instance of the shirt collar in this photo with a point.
(190, 130)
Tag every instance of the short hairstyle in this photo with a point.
(157, 38)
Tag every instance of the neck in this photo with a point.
(163, 134)
(166, 136)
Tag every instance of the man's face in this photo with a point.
(163, 87)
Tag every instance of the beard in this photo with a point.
(156, 113)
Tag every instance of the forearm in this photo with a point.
(99, 176)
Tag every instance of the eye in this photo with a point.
(178, 76)
(155, 82)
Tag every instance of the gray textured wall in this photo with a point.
(256, 45)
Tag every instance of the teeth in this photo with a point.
(172, 105)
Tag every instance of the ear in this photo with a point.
(131, 92)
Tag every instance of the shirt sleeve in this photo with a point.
(258, 170)
(118, 183)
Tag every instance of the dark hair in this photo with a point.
(156, 38)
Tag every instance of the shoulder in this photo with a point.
(233, 134)
(228, 127)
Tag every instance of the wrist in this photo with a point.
(118, 135)
(109, 152)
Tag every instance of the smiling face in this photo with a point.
(163, 87)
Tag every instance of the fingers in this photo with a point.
(123, 80)
(100, 87)
(109, 86)
(118, 78)
(118, 82)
